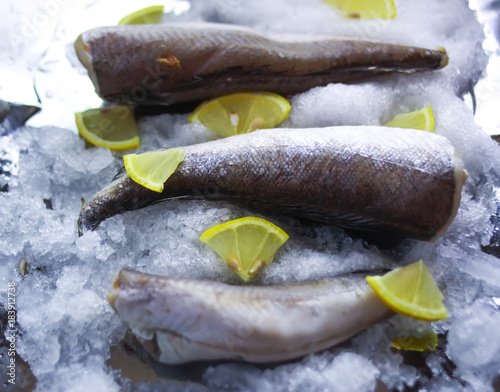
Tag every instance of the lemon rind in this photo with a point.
(95, 140)
(403, 306)
(144, 12)
(349, 13)
(256, 265)
(280, 101)
(232, 224)
(426, 111)
(429, 336)
(177, 156)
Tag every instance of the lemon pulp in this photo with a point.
(148, 15)
(246, 244)
(112, 127)
(364, 9)
(422, 119)
(415, 341)
(152, 169)
(239, 113)
(411, 291)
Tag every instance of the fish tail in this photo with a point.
(122, 195)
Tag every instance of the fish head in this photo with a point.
(83, 53)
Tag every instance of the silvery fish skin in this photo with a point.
(165, 64)
(183, 320)
(367, 178)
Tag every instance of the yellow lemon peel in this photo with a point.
(153, 169)
(364, 9)
(239, 113)
(422, 119)
(148, 15)
(411, 291)
(246, 244)
(114, 127)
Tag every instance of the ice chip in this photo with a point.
(67, 325)
(474, 338)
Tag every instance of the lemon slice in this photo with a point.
(235, 114)
(148, 15)
(152, 169)
(421, 119)
(246, 244)
(113, 127)
(411, 291)
(415, 341)
(364, 9)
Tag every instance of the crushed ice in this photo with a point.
(66, 325)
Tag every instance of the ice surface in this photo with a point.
(419, 23)
(343, 373)
(474, 344)
(66, 325)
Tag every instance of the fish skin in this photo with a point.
(367, 178)
(179, 62)
(183, 320)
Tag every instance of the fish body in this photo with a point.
(179, 62)
(369, 178)
(183, 320)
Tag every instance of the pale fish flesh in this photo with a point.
(181, 62)
(183, 320)
(374, 179)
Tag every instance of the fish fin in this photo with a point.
(120, 173)
(351, 221)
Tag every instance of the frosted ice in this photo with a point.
(342, 373)
(66, 324)
(474, 343)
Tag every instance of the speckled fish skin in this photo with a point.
(183, 320)
(165, 64)
(367, 178)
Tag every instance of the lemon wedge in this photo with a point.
(148, 15)
(113, 127)
(152, 169)
(246, 244)
(239, 113)
(421, 119)
(411, 291)
(415, 341)
(364, 9)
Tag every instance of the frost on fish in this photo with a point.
(62, 309)
(373, 179)
(188, 62)
(183, 320)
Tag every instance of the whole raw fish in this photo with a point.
(171, 63)
(183, 320)
(367, 178)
